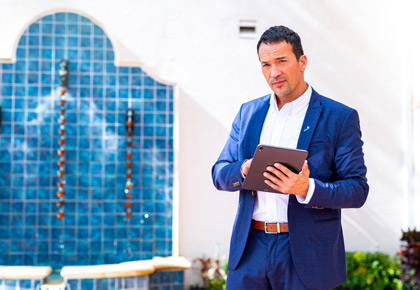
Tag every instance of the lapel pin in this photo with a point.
(306, 129)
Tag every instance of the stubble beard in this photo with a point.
(283, 92)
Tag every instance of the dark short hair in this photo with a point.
(278, 34)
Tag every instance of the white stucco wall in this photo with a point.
(354, 54)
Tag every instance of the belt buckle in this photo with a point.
(278, 228)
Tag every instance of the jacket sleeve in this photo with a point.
(226, 172)
(349, 188)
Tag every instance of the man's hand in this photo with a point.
(245, 167)
(286, 181)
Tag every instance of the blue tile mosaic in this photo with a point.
(160, 280)
(99, 94)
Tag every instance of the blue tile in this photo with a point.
(6, 103)
(149, 93)
(85, 29)
(6, 116)
(44, 193)
(6, 90)
(33, 78)
(59, 29)
(85, 54)
(84, 92)
(87, 284)
(73, 42)
(20, 79)
(79, 186)
(85, 80)
(7, 66)
(46, 42)
(45, 91)
(84, 144)
(98, 80)
(148, 81)
(98, 54)
(34, 53)
(75, 18)
(30, 233)
(110, 67)
(5, 181)
(72, 54)
(59, 41)
(85, 42)
(60, 17)
(95, 235)
(19, 104)
(98, 67)
(20, 53)
(22, 40)
(110, 105)
(97, 30)
(98, 93)
(59, 54)
(46, 54)
(33, 66)
(7, 78)
(72, 29)
(46, 28)
(5, 166)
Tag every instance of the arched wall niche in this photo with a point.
(99, 93)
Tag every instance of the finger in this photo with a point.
(286, 171)
(276, 172)
(245, 166)
(273, 185)
(305, 169)
(273, 178)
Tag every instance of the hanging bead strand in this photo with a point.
(61, 173)
(129, 132)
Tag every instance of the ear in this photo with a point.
(302, 62)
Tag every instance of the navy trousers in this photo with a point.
(266, 264)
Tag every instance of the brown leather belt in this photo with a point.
(270, 228)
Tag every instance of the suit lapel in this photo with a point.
(256, 123)
(310, 121)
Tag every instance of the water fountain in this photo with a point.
(86, 160)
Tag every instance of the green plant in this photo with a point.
(372, 271)
(214, 277)
(410, 257)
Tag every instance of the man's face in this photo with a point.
(281, 69)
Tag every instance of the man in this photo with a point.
(292, 240)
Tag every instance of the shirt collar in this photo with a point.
(297, 105)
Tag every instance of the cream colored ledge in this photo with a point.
(125, 269)
(170, 263)
(53, 285)
(24, 272)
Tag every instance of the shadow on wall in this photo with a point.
(206, 214)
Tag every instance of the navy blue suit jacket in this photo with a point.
(336, 163)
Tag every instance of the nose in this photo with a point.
(275, 71)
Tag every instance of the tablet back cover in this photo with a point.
(266, 156)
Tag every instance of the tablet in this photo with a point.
(266, 155)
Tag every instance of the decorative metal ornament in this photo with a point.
(61, 173)
(129, 132)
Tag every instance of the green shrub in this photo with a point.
(372, 271)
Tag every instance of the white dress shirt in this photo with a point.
(282, 128)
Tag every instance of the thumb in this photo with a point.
(305, 169)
